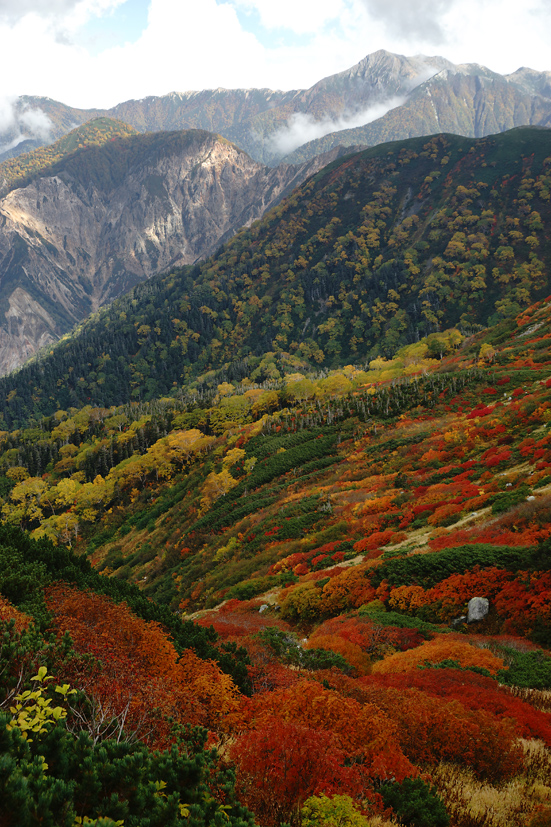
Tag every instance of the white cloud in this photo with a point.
(301, 127)
(18, 123)
(303, 17)
(500, 34)
(403, 18)
(7, 113)
(36, 122)
(54, 10)
(186, 46)
(15, 9)
(195, 45)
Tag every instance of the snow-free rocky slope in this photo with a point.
(104, 218)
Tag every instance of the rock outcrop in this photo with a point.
(477, 609)
(115, 215)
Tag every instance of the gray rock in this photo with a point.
(477, 609)
(263, 608)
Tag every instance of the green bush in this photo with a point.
(401, 621)
(415, 803)
(57, 777)
(503, 502)
(288, 649)
(531, 670)
(429, 569)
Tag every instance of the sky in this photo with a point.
(96, 53)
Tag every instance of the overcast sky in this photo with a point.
(90, 53)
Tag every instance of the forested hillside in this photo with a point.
(104, 208)
(372, 253)
(285, 586)
(334, 529)
(17, 172)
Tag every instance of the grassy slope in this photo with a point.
(339, 468)
(351, 497)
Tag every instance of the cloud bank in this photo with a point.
(21, 123)
(15, 9)
(302, 128)
(190, 45)
(406, 19)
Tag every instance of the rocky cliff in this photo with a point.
(112, 216)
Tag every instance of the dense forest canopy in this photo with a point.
(48, 160)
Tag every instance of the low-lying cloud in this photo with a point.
(21, 123)
(302, 128)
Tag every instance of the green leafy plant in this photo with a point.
(415, 803)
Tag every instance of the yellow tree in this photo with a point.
(216, 486)
(24, 505)
(184, 445)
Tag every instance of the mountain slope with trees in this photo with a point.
(20, 171)
(464, 100)
(373, 252)
(104, 208)
(283, 590)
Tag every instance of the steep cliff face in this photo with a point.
(72, 241)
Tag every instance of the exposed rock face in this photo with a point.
(477, 609)
(28, 324)
(74, 241)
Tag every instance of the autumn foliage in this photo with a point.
(9, 612)
(431, 729)
(136, 673)
(441, 648)
(314, 740)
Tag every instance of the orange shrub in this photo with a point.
(362, 731)
(442, 647)
(9, 612)
(138, 676)
(432, 729)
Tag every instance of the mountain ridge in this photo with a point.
(256, 119)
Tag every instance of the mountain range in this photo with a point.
(133, 192)
(384, 97)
